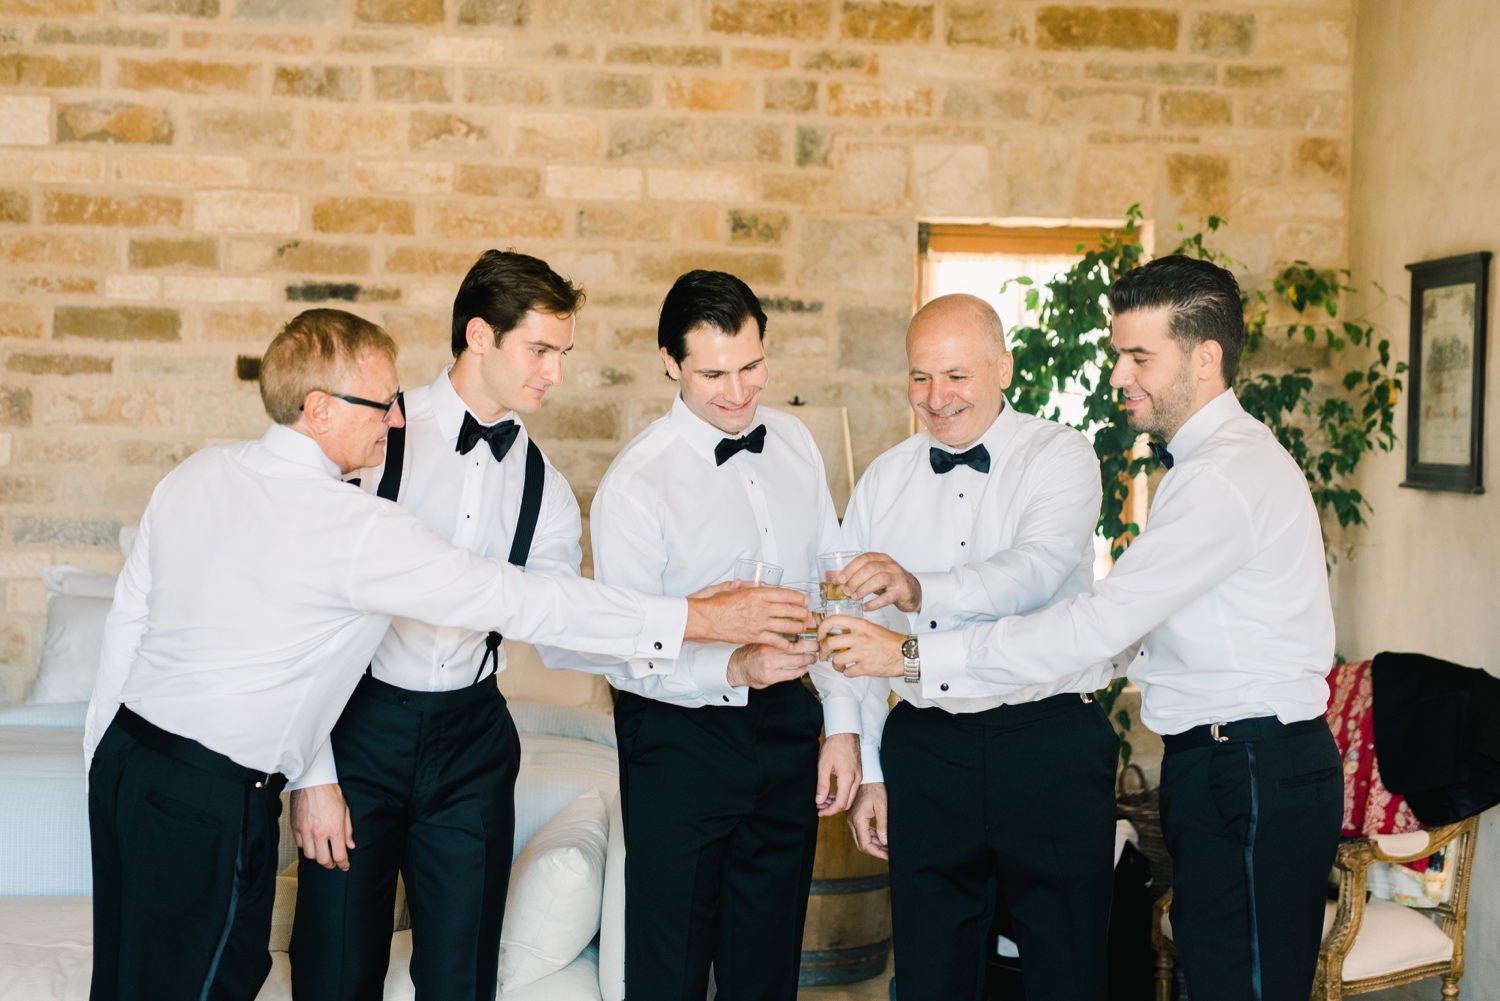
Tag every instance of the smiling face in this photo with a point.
(1157, 375)
(515, 375)
(352, 434)
(721, 375)
(958, 369)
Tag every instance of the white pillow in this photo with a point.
(77, 603)
(556, 894)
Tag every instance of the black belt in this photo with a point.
(372, 687)
(1009, 715)
(194, 754)
(1241, 731)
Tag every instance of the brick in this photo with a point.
(1305, 35)
(240, 41)
(195, 252)
(884, 21)
(813, 145)
(1254, 76)
(428, 261)
(865, 255)
(873, 177)
(412, 84)
(606, 90)
(734, 141)
(399, 11)
(389, 44)
(114, 121)
(123, 408)
(952, 180)
(51, 166)
(182, 171)
(204, 288)
(1130, 28)
(1110, 178)
(751, 267)
(340, 292)
(117, 323)
(624, 222)
(507, 182)
(601, 183)
(321, 83)
(555, 52)
(669, 184)
(798, 188)
(575, 421)
(49, 530)
(1293, 110)
(59, 364)
(189, 76)
(797, 96)
(965, 100)
(761, 59)
(54, 285)
(1170, 73)
(322, 258)
(289, 11)
(504, 87)
(25, 121)
(22, 322)
(20, 69)
(767, 226)
(553, 136)
(868, 100)
(591, 18)
(708, 94)
(132, 288)
(1219, 33)
(68, 249)
(1192, 108)
(985, 26)
(456, 49)
(443, 130)
(363, 215)
(1041, 171)
(112, 37)
(494, 13)
(1308, 241)
(664, 55)
(1096, 106)
(353, 131)
(471, 219)
(800, 20)
(1199, 183)
(69, 209)
(1319, 158)
(650, 139)
(873, 338)
(15, 206)
(404, 177)
(246, 211)
(240, 128)
(829, 61)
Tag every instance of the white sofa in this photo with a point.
(45, 881)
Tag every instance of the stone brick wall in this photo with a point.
(177, 177)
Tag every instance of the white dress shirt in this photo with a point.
(1227, 585)
(667, 520)
(260, 585)
(982, 545)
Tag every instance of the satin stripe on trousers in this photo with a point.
(430, 781)
(720, 831)
(184, 876)
(1252, 827)
(1017, 801)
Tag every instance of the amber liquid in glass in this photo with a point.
(833, 590)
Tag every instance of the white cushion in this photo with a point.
(556, 894)
(46, 948)
(77, 603)
(69, 715)
(578, 981)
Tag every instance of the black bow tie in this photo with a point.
(976, 458)
(500, 436)
(1162, 455)
(755, 441)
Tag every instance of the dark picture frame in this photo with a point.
(1445, 399)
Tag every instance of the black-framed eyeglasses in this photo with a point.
(359, 401)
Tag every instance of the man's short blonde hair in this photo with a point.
(315, 350)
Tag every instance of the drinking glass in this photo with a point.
(813, 593)
(829, 565)
(849, 607)
(758, 573)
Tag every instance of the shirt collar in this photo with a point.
(701, 436)
(296, 447)
(995, 437)
(1199, 427)
(448, 408)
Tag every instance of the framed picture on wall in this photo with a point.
(1445, 403)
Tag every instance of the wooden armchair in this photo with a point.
(1375, 944)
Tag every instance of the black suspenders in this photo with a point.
(520, 546)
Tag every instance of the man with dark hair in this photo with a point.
(720, 770)
(1227, 592)
(258, 588)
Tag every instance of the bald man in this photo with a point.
(983, 793)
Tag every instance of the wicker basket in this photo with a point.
(1142, 808)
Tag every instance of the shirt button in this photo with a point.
(932, 624)
(726, 698)
(960, 495)
(963, 543)
(944, 686)
(657, 644)
(650, 666)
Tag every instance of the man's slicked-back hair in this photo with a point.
(715, 298)
(1204, 300)
(315, 350)
(502, 287)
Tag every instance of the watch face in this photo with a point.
(909, 648)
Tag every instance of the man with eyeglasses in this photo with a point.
(259, 587)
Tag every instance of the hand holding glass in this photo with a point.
(758, 573)
(829, 565)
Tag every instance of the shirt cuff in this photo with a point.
(939, 596)
(944, 664)
(322, 770)
(840, 714)
(710, 671)
(663, 623)
(869, 762)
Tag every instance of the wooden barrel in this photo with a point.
(848, 931)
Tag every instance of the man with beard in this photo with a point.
(1226, 587)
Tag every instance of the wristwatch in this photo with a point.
(912, 660)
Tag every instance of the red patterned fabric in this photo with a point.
(1369, 808)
